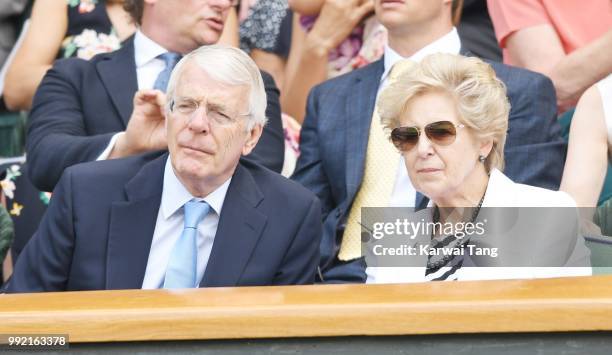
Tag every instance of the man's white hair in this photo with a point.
(230, 66)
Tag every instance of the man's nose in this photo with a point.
(199, 120)
(221, 4)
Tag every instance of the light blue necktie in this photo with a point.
(182, 266)
(170, 59)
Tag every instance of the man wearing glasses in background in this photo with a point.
(195, 216)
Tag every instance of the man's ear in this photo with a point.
(252, 139)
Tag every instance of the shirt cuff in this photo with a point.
(109, 147)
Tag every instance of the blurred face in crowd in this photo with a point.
(441, 166)
(207, 128)
(191, 23)
(397, 15)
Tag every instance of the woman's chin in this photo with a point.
(431, 191)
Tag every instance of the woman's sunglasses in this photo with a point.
(440, 133)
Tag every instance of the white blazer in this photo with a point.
(560, 239)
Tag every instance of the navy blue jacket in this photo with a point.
(98, 230)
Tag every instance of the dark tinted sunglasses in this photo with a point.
(440, 133)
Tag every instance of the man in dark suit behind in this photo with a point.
(117, 224)
(82, 106)
(336, 134)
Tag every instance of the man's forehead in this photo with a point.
(196, 81)
(192, 75)
(216, 94)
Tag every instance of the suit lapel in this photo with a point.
(360, 107)
(132, 224)
(118, 74)
(239, 230)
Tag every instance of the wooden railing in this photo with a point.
(545, 305)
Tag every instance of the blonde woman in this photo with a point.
(448, 116)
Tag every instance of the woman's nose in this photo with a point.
(424, 146)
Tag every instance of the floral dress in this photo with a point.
(6, 235)
(89, 32)
(261, 27)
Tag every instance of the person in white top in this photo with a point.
(448, 117)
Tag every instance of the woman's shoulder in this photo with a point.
(544, 197)
(511, 194)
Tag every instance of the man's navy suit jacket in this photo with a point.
(98, 230)
(335, 133)
(80, 105)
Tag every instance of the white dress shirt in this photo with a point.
(169, 226)
(148, 67)
(404, 194)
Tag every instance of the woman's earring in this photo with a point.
(482, 158)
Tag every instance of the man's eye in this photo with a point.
(219, 116)
(185, 106)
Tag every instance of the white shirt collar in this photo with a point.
(498, 189)
(145, 49)
(175, 195)
(449, 43)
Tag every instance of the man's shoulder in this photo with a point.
(77, 66)
(112, 172)
(76, 70)
(346, 81)
(72, 66)
(512, 75)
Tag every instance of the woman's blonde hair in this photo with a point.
(479, 95)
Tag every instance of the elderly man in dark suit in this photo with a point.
(117, 224)
(81, 107)
(347, 161)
